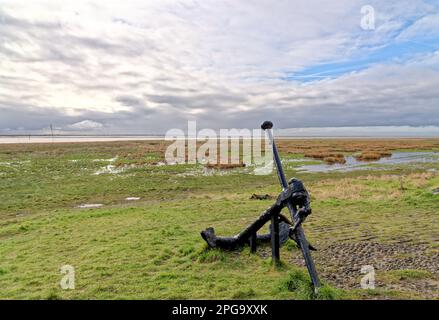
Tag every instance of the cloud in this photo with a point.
(426, 27)
(86, 125)
(148, 66)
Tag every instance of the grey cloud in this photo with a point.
(130, 101)
(197, 100)
(149, 69)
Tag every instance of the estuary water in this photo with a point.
(353, 164)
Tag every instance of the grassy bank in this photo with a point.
(151, 248)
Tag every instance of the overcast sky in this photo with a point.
(148, 66)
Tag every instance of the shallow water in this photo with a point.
(90, 205)
(353, 164)
(132, 198)
(106, 160)
(109, 169)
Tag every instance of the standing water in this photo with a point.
(353, 164)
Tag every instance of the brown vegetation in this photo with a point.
(139, 151)
(333, 160)
(224, 166)
(372, 155)
(328, 157)
(326, 147)
(323, 154)
(332, 150)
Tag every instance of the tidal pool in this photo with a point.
(353, 164)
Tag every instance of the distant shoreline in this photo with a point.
(29, 139)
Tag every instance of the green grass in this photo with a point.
(399, 275)
(151, 249)
(297, 285)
